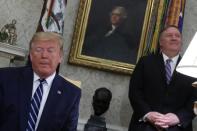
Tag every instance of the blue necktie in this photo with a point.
(35, 106)
(168, 70)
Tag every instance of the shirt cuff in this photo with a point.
(144, 118)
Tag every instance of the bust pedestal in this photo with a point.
(9, 53)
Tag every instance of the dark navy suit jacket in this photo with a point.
(61, 110)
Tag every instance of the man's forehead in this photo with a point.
(171, 29)
(116, 11)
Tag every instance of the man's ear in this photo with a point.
(30, 56)
(61, 57)
(159, 41)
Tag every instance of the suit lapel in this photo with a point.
(161, 67)
(174, 75)
(53, 99)
(25, 87)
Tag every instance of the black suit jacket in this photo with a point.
(60, 111)
(149, 91)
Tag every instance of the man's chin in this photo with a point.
(45, 72)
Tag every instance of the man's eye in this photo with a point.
(169, 35)
(177, 35)
(38, 49)
(51, 50)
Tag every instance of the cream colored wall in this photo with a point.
(189, 29)
(27, 13)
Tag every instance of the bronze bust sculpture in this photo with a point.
(101, 102)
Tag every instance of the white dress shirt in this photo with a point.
(111, 31)
(46, 89)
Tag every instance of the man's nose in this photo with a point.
(44, 53)
(174, 37)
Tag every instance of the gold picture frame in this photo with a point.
(92, 15)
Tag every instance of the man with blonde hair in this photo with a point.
(36, 98)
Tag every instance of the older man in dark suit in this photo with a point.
(162, 99)
(36, 98)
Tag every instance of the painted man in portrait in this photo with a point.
(112, 42)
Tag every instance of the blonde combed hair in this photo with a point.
(39, 36)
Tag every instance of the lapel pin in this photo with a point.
(59, 92)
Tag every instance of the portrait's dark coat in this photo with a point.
(118, 46)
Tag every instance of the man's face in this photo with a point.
(45, 56)
(170, 41)
(116, 17)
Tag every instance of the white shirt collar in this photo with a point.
(113, 27)
(49, 79)
(174, 59)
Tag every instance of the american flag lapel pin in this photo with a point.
(59, 92)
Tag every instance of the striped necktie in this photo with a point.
(35, 106)
(168, 70)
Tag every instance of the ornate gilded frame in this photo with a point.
(76, 55)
